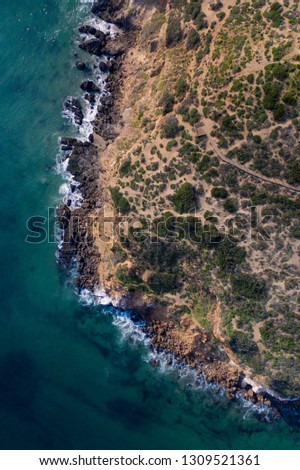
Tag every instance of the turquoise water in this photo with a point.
(67, 378)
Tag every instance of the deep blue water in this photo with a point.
(67, 378)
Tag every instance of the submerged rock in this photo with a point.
(80, 65)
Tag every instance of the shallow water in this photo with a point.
(68, 377)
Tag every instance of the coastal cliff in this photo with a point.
(159, 182)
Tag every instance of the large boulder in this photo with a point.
(72, 106)
(89, 86)
(87, 29)
(103, 67)
(94, 46)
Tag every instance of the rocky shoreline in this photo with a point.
(187, 344)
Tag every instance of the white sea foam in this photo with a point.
(250, 409)
(129, 329)
(69, 113)
(69, 190)
(101, 25)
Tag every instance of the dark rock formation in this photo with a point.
(103, 67)
(94, 46)
(73, 106)
(89, 86)
(86, 29)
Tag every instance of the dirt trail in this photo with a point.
(215, 319)
(250, 172)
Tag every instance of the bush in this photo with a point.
(172, 143)
(167, 102)
(170, 128)
(272, 91)
(290, 98)
(278, 70)
(247, 286)
(174, 32)
(292, 173)
(193, 39)
(125, 168)
(229, 256)
(201, 21)
(162, 282)
(240, 343)
(215, 6)
(231, 205)
(221, 15)
(128, 277)
(279, 112)
(120, 202)
(274, 14)
(184, 199)
(194, 116)
(219, 192)
(181, 88)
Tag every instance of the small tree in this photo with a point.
(167, 102)
(193, 39)
(219, 193)
(184, 199)
(174, 31)
(170, 128)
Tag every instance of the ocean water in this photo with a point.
(74, 376)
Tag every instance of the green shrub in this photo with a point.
(162, 282)
(172, 143)
(272, 91)
(250, 78)
(193, 39)
(201, 21)
(229, 256)
(279, 112)
(125, 168)
(174, 31)
(128, 277)
(277, 70)
(181, 88)
(242, 344)
(219, 192)
(274, 14)
(192, 10)
(184, 199)
(247, 286)
(167, 102)
(169, 128)
(221, 15)
(292, 173)
(120, 202)
(231, 205)
(194, 116)
(217, 5)
(290, 98)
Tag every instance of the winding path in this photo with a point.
(251, 172)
